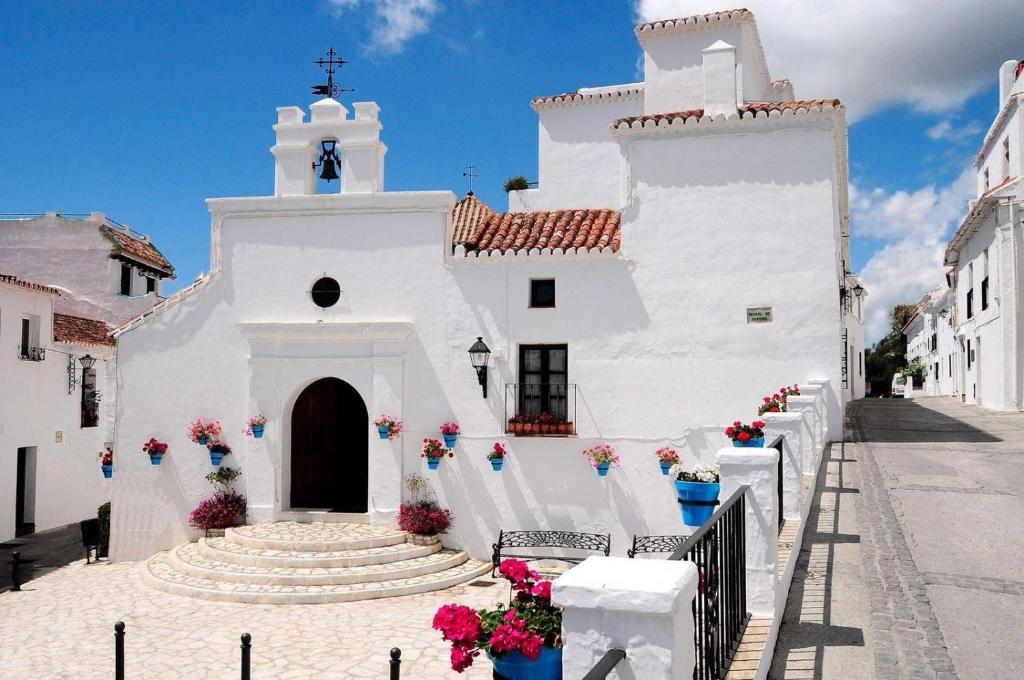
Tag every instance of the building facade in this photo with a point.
(686, 252)
(931, 342)
(985, 266)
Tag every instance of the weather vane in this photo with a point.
(470, 172)
(331, 89)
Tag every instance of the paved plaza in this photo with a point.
(910, 566)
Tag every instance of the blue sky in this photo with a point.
(143, 110)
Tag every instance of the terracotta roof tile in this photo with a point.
(468, 212)
(558, 230)
(137, 248)
(31, 285)
(577, 97)
(75, 329)
(694, 20)
(748, 110)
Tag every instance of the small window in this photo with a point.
(970, 354)
(150, 284)
(90, 399)
(985, 175)
(126, 279)
(1006, 157)
(326, 292)
(542, 293)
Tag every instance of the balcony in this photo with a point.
(32, 353)
(540, 410)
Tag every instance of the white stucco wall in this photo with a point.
(34, 407)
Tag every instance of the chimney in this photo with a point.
(1007, 77)
(720, 80)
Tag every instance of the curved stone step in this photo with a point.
(221, 550)
(313, 537)
(161, 574)
(187, 560)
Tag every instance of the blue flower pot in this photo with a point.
(449, 440)
(203, 441)
(216, 457)
(751, 443)
(432, 463)
(155, 458)
(257, 431)
(108, 471)
(383, 431)
(665, 467)
(602, 470)
(515, 666)
(496, 463)
(696, 515)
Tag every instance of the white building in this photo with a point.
(684, 254)
(55, 414)
(930, 341)
(986, 270)
(103, 269)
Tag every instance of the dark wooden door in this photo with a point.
(329, 461)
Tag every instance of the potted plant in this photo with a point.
(515, 425)
(497, 456)
(422, 518)
(791, 391)
(155, 449)
(697, 490)
(225, 508)
(107, 462)
(773, 404)
(218, 450)
(254, 426)
(450, 432)
(433, 451)
(602, 457)
(746, 435)
(667, 457)
(201, 431)
(387, 426)
(523, 639)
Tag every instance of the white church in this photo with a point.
(685, 253)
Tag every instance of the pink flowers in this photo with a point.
(388, 424)
(432, 448)
(153, 447)
(457, 623)
(668, 455)
(202, 429)
(498, 451)
(517, 572)
(425, 518)
(450, 428)
(602, 454)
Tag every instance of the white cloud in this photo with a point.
(917, 225)
(393, 22)
(949, 131)
(876, 53)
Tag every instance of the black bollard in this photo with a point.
(16, 571)
(396, 663)
(119, 650)
(246, 655)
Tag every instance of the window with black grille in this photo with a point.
(542, 293)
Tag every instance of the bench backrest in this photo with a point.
(555, 539)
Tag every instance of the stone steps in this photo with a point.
(308, 563)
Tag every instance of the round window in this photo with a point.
(325, 292)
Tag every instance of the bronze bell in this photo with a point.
(328, 172)
(329, 160)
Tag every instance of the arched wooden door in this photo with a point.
(329, 459)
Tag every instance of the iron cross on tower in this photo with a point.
(331, 89)
(470, 172)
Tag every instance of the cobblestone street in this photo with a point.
(910, 566)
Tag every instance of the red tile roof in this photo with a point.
(468, 212)
(558, 230)
(138, 248)
(17, 281)
(694, 20)
(75, 329)
(746, 111)
(573, 97)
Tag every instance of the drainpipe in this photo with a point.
(1017, 242)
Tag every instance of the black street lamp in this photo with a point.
(87, 362)
(858, 290)
(479, 354)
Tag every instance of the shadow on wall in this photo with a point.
(905, 421)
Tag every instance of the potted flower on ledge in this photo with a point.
(254, 426)
(667, 457)
(155, 449)
(201, 431)
(107, 462)
(746, 435)
(387, 426)
(497, 456)
(523, 639)
(434, 452)
(697, 490)
(773, 404)
(450, 432)
(422, 518)
(602, 457)
(218, 450)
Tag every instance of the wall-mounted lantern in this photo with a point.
(87, 362)
(858, 291)
(479, 354)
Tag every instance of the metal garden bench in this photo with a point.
(572, 540)
(655, 544)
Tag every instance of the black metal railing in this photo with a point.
(720, 609)
(394, 663)
(778, 445)
(32, 353)
(537, 409)
(605, 664)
